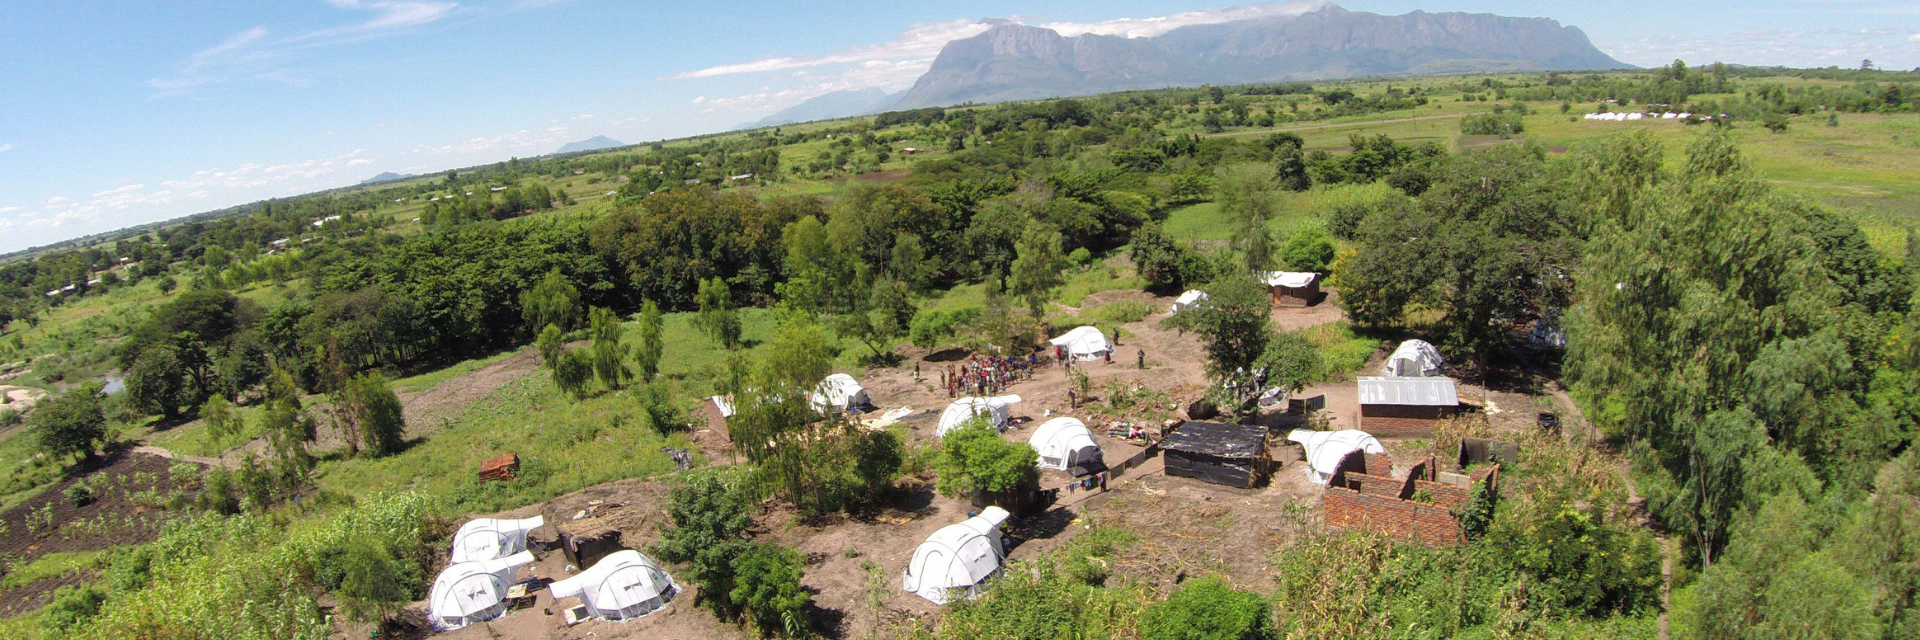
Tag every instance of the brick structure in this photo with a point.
(1294, 289)
(1383, 504)
(1392, 421)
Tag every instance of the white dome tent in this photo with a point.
(958, 557)
(622, 586)
(1192, 298)
(1064, 443)
(1084, 343)
(470, 592)
(838, 392)
(1414, 359)
(994, 409)
(1325, 449)
(489, 538)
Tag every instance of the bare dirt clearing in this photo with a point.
(128, 490)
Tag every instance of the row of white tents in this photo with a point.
(1623, 116)
(488, 553)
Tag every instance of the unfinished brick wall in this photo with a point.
(1401, 422)
(1426, 524)
(1362, 501)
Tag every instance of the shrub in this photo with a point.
(973, 457)
(768, 589)
(1123, 312)
(1308, 250)
(1208, 609)
(708, 520)
(373, 583)
(78, 495)
(71, 607)
(1492, 124)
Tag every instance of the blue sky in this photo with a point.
(122, 112)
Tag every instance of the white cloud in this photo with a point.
(522, 140)
(5, 147)
(1149, 27)
(254, 55)
(9, 209)
(1914, 38)
(359, 161)
(583, 116)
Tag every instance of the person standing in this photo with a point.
(1140, 359)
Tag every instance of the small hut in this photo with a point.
(1294, 288)
(1414, 359)
(1406, 407)
(838, 393)
(1084, 343)
(1192, 298)
(1231, 454)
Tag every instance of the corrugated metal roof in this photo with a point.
(1420, 392)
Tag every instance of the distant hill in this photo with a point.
(595, 143)
(839, 104)
(1018, 62)
(386, 176)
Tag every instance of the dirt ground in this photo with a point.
(1184, 527)
(116, 516)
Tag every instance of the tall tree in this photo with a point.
(717, 317)
(1036, 270)
(1245, 194)
(69, 423)
(653, 329)
(609, 354)
(554, 301)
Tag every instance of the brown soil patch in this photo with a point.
(127, 489)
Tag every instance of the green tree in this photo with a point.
(373, 583)
(1036, 270)
(767, 588)
(573, 372)
(608, 353)
(370, 414)
(706, 533)
(1308, 250)
(554, 301)
(552, 342)
(1208, 608)
(717, 317)
(973, 457)
(1245, 194)
(1155, 257)
(1234, 324)
(653, 330)
(219, 415)
(71, 422)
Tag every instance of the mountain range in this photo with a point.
(386, 176)
(1018, 62)
(595, 143)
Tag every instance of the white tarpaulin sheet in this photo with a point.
(1291, 279)
(1325, 449)
(1414, 359)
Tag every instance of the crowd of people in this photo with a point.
(982, 375)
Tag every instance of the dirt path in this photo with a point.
(170, 455)
(1342, 125)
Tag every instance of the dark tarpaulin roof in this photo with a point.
(1217, 439)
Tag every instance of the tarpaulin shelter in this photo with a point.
(1231, 454)
(1084, 343)
(1414, 359)
(1325, 449)
(1064, 444)
(837, 393)
(622, 586)
(994, 409)
(587, 540)
(957, 559)
(1192, 298)
(1294, 288)
(470, 592)
(489, 538)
